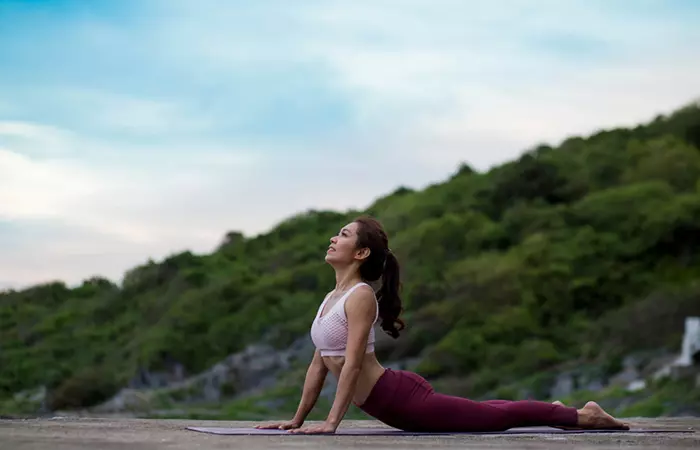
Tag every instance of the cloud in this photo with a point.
(28, 188)
(114, 113)
(167, 123)
(481, 83)
(31, 138)
(580, 104)
(72, 220)
(135, 198)
(66, 252)
(470, 81)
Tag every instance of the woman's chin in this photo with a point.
(330, 259)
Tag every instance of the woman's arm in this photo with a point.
(315, 377)
(360, 310)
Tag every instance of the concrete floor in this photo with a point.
(141, 434)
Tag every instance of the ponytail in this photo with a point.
(381, 263)
(389, 299)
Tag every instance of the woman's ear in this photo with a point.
(363, 253)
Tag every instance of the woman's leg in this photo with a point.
(451, 413)
(430, 411)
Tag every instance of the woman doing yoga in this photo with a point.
(343, 334)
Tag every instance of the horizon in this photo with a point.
(137, 130)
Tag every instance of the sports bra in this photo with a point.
(329, 332)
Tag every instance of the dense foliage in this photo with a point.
(584, 251)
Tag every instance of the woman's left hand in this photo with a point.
(322, 428)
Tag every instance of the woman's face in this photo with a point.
(342, 248)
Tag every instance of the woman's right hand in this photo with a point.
(288, 425)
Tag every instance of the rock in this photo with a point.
(595, 384)
(255, 367)
(636, 385)
(563, 386)
(36, 395)
(629, 374)
(145, 379)
(683, 364)
(681, 372)
(127, 399)
(690, 349)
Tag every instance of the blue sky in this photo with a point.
(134, 129)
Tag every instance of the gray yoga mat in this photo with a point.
(395, 432)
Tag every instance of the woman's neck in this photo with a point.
(346, 278)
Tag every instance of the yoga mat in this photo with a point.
(395, 432)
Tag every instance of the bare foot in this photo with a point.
(592, 416)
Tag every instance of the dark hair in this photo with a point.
(381, 263)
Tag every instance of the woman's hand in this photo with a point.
(322, 428)
(288, 425)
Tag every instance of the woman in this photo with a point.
(343, 334)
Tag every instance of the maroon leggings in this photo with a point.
(405, 400)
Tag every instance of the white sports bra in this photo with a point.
(329, 332)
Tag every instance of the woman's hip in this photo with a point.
(395, 394)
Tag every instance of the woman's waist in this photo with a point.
(370, 372)
(369, 366)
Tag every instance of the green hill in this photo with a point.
(580, 253)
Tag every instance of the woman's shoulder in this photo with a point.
(363, 294)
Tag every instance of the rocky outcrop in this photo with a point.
(687, 363)
(637, 370)
(690, 350)
(261, 366)
(256, 367)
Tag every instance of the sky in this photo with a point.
(136, 129)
